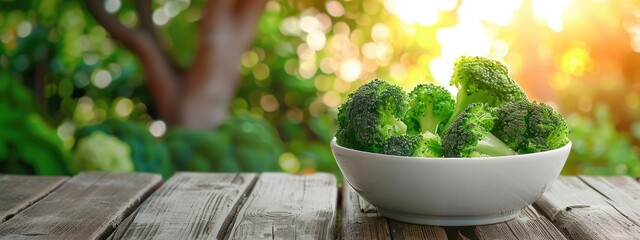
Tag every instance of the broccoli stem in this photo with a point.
(429, 123)
(492, 146)
(463, 100)
(398, 126)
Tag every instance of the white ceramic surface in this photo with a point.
(450, 191)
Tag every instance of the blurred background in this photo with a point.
(254, 85)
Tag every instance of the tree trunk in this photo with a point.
(199, 97)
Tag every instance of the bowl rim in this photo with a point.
(353, 152)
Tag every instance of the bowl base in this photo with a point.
(447, 221)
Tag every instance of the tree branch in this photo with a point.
(145, 14)
(129, 37)
(160, 77)
(248, 13)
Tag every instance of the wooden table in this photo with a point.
(283, 206)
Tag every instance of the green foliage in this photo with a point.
(101, 152)
(598, 148)
(470, 134)
(147, 152)
(240, 143)
(28, 145)
(58, 50)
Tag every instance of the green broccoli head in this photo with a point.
(429, 106)
(147, 152)
(470, 134)
(416, 145)
(371, 115)
(530, 127)
(101, 152)
(484, 80)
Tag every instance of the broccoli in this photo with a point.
(530, 127)
(416, 145)
(371, 115)
(147, 152)
(469, 135)
(480, 79)
(102, 152)
(429, 107)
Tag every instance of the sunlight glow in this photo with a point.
(499, 12)
(157, 128)
(65, 132)
(454, 43)
(550, 11)
(159, 17)
(335, 9)
(350, 70)
(269, 103)
(101, 79)
(24, 29)
(124, 107)
(576, 60)
(425, 12)
(112, 6)
(289, 162)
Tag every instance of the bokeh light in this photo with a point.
(580, 57)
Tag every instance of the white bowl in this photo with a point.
(450, 191)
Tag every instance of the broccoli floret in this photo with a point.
(416, 145)
(371, 115)
(470, 134)
(429, 107)
(530, 127)
(484, 80)
(102, 152)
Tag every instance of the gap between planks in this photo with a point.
(88, 206)
(288, 206)
(588, 207)
(18, 192)
(269, 205)
(189, 206)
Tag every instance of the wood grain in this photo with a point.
(408, 231)
(188, 206)
(582, 213)
(621, 192)
(360, 219)
(528, 225)
(88, 206)
(19, 192)
(284, 206)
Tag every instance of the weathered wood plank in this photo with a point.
(582, 213)
(528, 225)
(188, 206)
(18, 192)
(88, 206)
(621, 192)
(360, 219)
(407, 231)
(284, 206)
